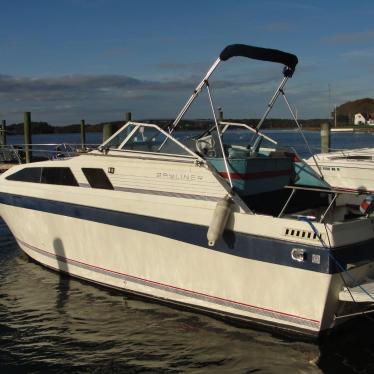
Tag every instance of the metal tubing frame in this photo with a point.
(328, 208)
(194, 95)
(336, 194)
(354, 314)
(219, 135)
(129, 135)
(272, 102)
(102, 145)
(237, 124)
(235, 197)
(301, 132)
(287, 202)
(327, 190)
(149, 125)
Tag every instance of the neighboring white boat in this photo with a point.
(199, 222)
(349, 170)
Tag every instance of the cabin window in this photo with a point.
(26, 175)
(97, 178)
(59, 176)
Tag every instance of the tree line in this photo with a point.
(197, 124)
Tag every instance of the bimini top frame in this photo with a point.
(235, 50)
(289, 60)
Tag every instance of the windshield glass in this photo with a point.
(145, 138)
(117, 140)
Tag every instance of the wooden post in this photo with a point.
(27, 135)
(127, 119)
(220, 119)
(325, 138)
(83, 134)
(3, 133)
(108, 131)
(220, 114)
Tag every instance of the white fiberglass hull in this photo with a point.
(152, 241)
(175, 271)
(351, 170)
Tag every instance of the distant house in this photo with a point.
(370, 119)
(364, 119)
(360, 119)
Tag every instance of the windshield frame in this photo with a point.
(158, 130)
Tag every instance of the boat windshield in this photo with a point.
(144, 137)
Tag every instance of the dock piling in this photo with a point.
(108, 131)
(83, 134)
(128, 119)
(220, 114)
(3, 132)
(325, 138)
(220, 119)
(27, 135)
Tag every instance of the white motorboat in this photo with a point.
(230, 229)
(347, 170)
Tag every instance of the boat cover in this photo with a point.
(258, 53)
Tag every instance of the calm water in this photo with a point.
(50, 323)
(283, 137)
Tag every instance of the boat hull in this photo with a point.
(175, 271)
(344, 173)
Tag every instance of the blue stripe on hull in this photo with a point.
(233, 243)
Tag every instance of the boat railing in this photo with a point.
(287, 148)
(9, 154)
(351, 154)
(227, 125)
(16, 153)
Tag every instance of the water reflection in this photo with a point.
(95, 330)
(64, 280)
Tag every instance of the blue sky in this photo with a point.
(71, 59)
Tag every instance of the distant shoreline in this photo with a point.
(197, 124)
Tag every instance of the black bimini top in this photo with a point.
(264, 54)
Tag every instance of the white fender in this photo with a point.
(219, 220)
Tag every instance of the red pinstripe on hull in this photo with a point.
(167, 286)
